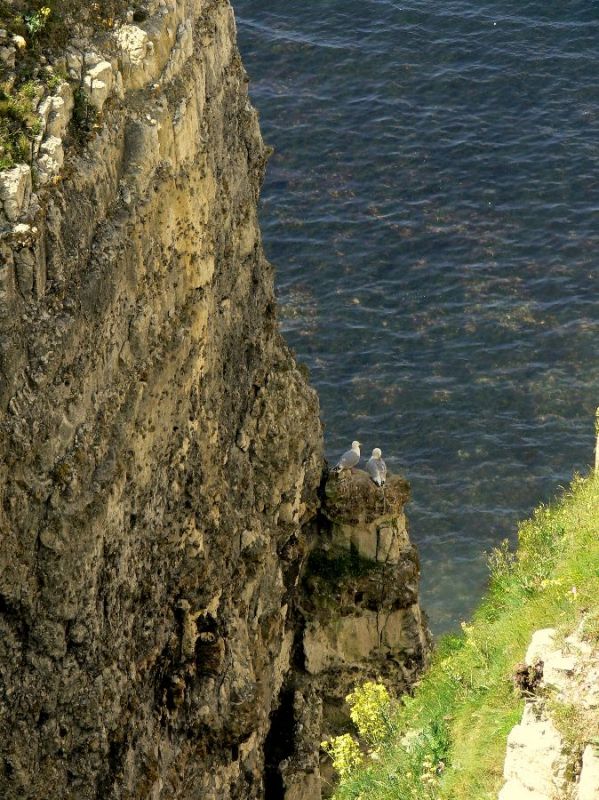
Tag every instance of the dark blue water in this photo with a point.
(432, 209)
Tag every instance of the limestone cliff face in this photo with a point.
(159, 448)
(160, 452)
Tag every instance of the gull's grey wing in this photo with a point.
(348, 460)
(382, 470)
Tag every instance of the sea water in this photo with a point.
(432, 210)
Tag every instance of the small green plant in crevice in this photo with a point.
(36, 21)
(576, 729)
(19, 123)
(84, 115)
(52, 78)
(571, 722)
(578, 726)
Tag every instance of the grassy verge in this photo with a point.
(448, 741)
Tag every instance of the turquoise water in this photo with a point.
(432, 209)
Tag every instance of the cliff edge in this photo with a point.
(160, 449)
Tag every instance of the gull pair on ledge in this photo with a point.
(375, 466)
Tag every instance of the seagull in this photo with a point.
(376, 467)
(350, 458)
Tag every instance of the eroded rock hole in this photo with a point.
(278, 746)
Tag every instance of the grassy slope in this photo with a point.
(465, 706)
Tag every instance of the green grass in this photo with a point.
(18, 123)
(462, 710)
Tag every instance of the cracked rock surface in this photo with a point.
(144, 623)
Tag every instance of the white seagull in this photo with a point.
(376, 467)
(350, 458)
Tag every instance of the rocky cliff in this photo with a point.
(160, 451)
(358, 618)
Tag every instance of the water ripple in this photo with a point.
(432, 211)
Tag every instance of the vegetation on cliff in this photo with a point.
(449, 739)
(33, 38)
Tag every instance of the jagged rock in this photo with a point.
(300, 771)
(8, 56)
(51, 159)
(60, 111)
(98, 83)
(148, 565)
(539, 763)
(163, 560)
(535, 756)
(359, 613)
(136, 53)
(74, 63)
(514, 790)
(366, 518)
(151, 51)
(15, 190)
(588, 787)
(361, 641)
(181, 51)
(43, 111)
(353, 499)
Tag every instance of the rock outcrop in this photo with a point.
(546, 758)
(161, 632)
(358, 618)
